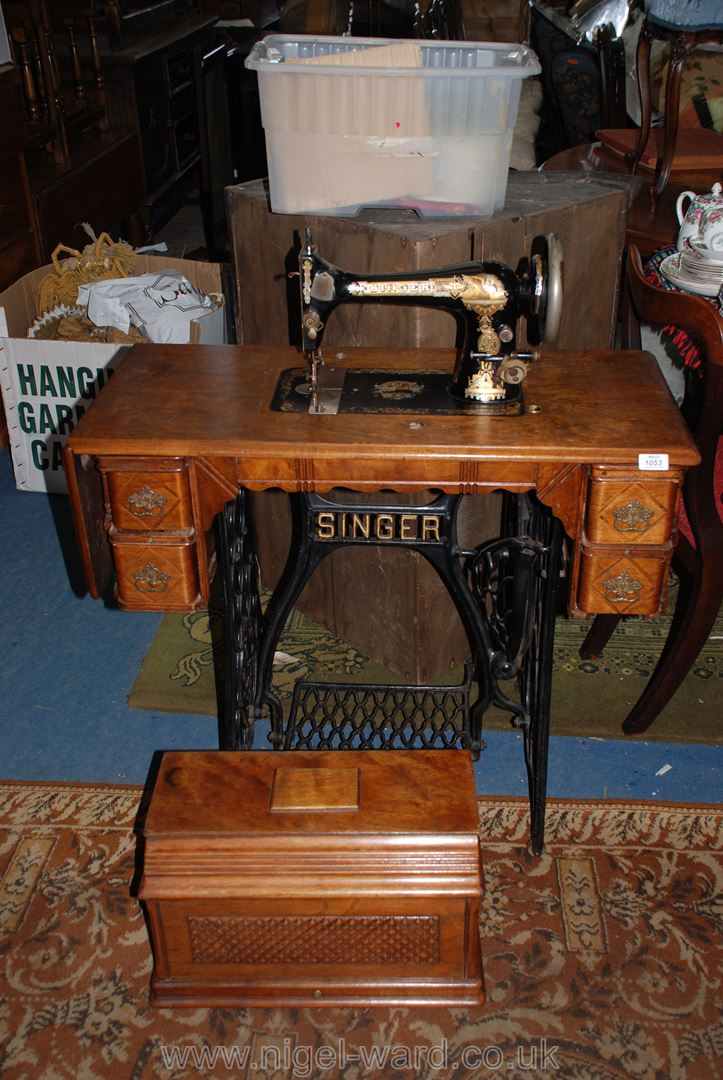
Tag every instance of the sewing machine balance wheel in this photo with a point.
(546, 263)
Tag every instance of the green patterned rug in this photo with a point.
(588, 698)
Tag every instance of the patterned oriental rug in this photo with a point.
(601, 958)
(588, 697)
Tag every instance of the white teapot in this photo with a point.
(699, 204)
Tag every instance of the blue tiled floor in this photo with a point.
(67, 663)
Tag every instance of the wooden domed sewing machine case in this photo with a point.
(337, 878)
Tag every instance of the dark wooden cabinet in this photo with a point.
(18, 250)
(76, 167)
(18, 244)
(152, 88)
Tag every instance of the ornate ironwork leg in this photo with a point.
(536, 675)
(516, 580)
(505, 593)
(304, 557)
(242, 622)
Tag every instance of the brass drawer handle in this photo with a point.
(151, 579)
(146, 502)
(623, 589)
(633, 517)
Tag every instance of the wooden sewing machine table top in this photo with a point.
(179, 429)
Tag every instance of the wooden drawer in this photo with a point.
(158, 500)
(622, 583)
(155, 573)
(621, 510)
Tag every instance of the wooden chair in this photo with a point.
(700, 563)
(685, 27)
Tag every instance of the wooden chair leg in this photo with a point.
(679, 50)
(643, 71)
(602, 629)
(695, 613)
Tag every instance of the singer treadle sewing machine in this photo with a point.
(505, 590)
(486, 298)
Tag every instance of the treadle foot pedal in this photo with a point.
(352, 716)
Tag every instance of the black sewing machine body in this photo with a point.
(487, 299)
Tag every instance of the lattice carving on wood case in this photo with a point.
(314, 939)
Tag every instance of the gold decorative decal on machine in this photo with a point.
(488, 340)
(146, 502)
(150, 578)
(474, 290)
(632, 517)
(483, 294)
(482, 386)
(306, 280)
(397, 389)
(622, 589)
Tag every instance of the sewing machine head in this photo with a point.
(488, 298)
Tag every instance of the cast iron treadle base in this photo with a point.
(352, 716)
(505, 592)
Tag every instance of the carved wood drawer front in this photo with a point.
(155, 573)
(630, 509)
(622, 583)
(150, 501)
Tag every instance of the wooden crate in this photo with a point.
(406, 619)
(314, 878)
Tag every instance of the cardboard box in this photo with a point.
(48, 385)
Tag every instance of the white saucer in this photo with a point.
(712, 258)
(694, 269)
(670, 268)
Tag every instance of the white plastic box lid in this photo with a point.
(470, 58)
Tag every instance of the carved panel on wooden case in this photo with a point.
(150, 501)
(622, 583)
(626, 511)
(155, 574)
(315, 939)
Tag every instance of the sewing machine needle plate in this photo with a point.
(355, 390)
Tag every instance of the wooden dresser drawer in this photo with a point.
(145, 501)
(623, 510)
(156, 573)
(623, 583)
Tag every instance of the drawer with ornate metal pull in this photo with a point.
(623, 582)
(149, 501)
(629, 509)
(156, 573)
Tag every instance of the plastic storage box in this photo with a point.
(353, 122)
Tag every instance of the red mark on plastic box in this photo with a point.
(397, 124)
